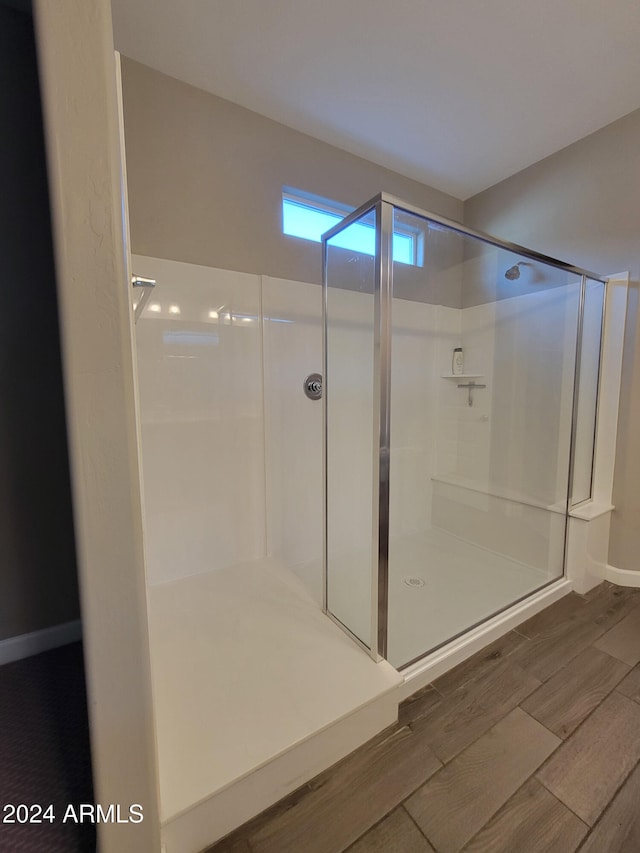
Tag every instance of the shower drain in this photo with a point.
(414, 581)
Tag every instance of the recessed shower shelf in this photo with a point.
(462, 376)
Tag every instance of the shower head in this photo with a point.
(513, 273)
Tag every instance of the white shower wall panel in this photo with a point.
(421, 335)
(424, 336)
(292, 317)
(507, 488)
(199, 351)
(474, 436)
(448, 397)
(293, 349)
(514, 440)
(532, 388)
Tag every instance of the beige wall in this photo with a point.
(582, 205)
(77, 65)
(206, 176)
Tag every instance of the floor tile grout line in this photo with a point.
(536, 636)
(615, 625)
(614, 689)
(401, 803)
(245, 831)
(384, 817)
(445, 764)
(382, 820)
(371, 828)
(477, 680)
(472, 678)
(491, 817)
(562, 803)
(572, 660)
(609, 803)
(415, 823)
(542, 639)
(613, 796)
(514, 794)
(587, 620)
(612, 628)
(494, 723)
(578, 727)
(547, 729)
(579, 652)
(633, 699)
(589, 645)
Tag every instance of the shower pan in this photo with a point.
(447, 494)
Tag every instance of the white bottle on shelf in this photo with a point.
(457, 362)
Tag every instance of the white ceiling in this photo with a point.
(458, 94)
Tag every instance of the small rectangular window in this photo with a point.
(309, 218)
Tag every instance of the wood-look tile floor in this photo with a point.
(531, 746)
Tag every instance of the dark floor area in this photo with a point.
(44, 750)
(530, 746)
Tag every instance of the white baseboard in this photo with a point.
(622, 577)
(25, 645)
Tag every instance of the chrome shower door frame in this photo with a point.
(381, 428)
(383, 288)
(385, 206)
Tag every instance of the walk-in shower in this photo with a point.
(448, 483)
(460, 406)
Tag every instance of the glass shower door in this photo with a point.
(350, 526)
(480, 452)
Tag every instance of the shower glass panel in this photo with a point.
(587, 395)
(479, 465)
(349, 400)
(448, 482)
